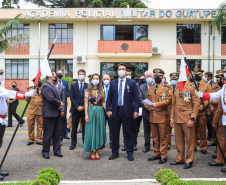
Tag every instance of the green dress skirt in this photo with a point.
(95, 129)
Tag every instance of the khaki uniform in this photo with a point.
(159, 118)
(201, 120)
(35, 112)
(69, 122)
(185, 106)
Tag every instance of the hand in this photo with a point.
(10, 101)
(61, 105)
(109, 114)
(30, 93)
(153, 105)
(87, 118)
(147, 106)
(62, 114)
(135, 115)
(211, 109)
(190, 123)
(172, 123)
(200, 94)
(80, 108)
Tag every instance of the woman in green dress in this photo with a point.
(95, 132)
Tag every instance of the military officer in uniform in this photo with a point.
(184, 112)
(35, 113)
(201, 120)
(161, 97)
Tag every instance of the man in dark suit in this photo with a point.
(61, 90)
(77, 106)
(51, 117)
(123, 98)
(145, 113)
(65, 84)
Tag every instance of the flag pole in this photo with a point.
(208, 118)
(21, 118)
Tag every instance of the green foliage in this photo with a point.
(49, 178)
(178, 182)
(97, 4)
(41, 182)
(165, 176)
(10, 4)
(51, 171)
(124, 5)
(145, 39)
(68, 79)
(140, 5)
(220, 18)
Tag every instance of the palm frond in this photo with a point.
(221, 16)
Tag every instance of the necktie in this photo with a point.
(81, 89)
(38, 91)
(120, 94)
(106, 95)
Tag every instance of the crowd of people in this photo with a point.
(123, 102)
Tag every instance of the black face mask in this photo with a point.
(142, 81)
(55, 80)
(158, 80)
(14, 86)
(220, 83)
(39, 84)
(191, 79)
(198, 78)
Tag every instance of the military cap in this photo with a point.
(173, 76)
(2, 70)
(197, 71)
(158, 72)
(219, 71)
(35, 78)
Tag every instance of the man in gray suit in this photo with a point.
(51, 117)
(145, 113)
(61, 90)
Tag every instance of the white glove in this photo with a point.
(30, 93)
(200, 94)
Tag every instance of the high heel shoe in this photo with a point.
(98, 158)
(93, 158)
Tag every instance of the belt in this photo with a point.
(3, 116)
(120, 107)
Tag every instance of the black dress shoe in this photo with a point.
(146, 150)
(102, 147)
(30, 143)
(124, 148)
(162, 161)
(72, 147)
(22, 122)
(204, 151)
(223, 170)
(66, 137)
(130, 157)
(214, 156)
(168, 148)
(39, 143)
(187, 165)
(134, 148)
(46, 156)
(176, 163)
(113, 156)
(211, 144)
(58, 154)
(4, 173)
(195, 149)
(214, 164)
(153, 158)
(1, 178)
(80, 131)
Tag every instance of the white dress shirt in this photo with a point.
(123, 88)
(79, 85)
(106, 95)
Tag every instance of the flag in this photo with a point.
(183, 74)
(44, 70)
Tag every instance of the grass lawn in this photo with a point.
(20, 108)
(207, 182)
(18, 183)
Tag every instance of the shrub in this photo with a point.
(53, 172)
(165, 176)
(41, 182)
(68, 79)
(145, 39)
(49, 178)
(178, 182)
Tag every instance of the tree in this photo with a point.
(221, 16)
(10, 4)
(97, 4)
(7, 43)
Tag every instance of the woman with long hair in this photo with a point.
(95, 132)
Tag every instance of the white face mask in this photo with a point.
(81, 77)
(106, 82)
(121, 73)
(205, 79)
(129, 77)
(95, 82)
(1, 78)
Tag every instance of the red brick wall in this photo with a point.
(190, 49)
(223, 49)
(114, 46)
(22, 84)
(62, 49)
(22, 49)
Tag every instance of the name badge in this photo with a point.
(187, 97)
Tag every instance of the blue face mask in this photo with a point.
(149, 80)
(173, 82)
(60, 75)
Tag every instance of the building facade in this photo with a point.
(98, 39)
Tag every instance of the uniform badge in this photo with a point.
(170, 92)
(187, 97)
(162, 97)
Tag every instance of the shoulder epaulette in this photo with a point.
(167, 86)
(193, 85)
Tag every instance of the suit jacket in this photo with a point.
(51, 101)
(76, 98)
(65, 84)
(211, 82)
(142, 96)
(131, 99)
(61, 90)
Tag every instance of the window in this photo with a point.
(65, 65)
(223, 64)
(223, 34)
(17, 69)
(22, 29)
(192, 63)
(123, 32)
(189, 33)
(64, 33)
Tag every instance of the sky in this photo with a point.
(163, 4)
